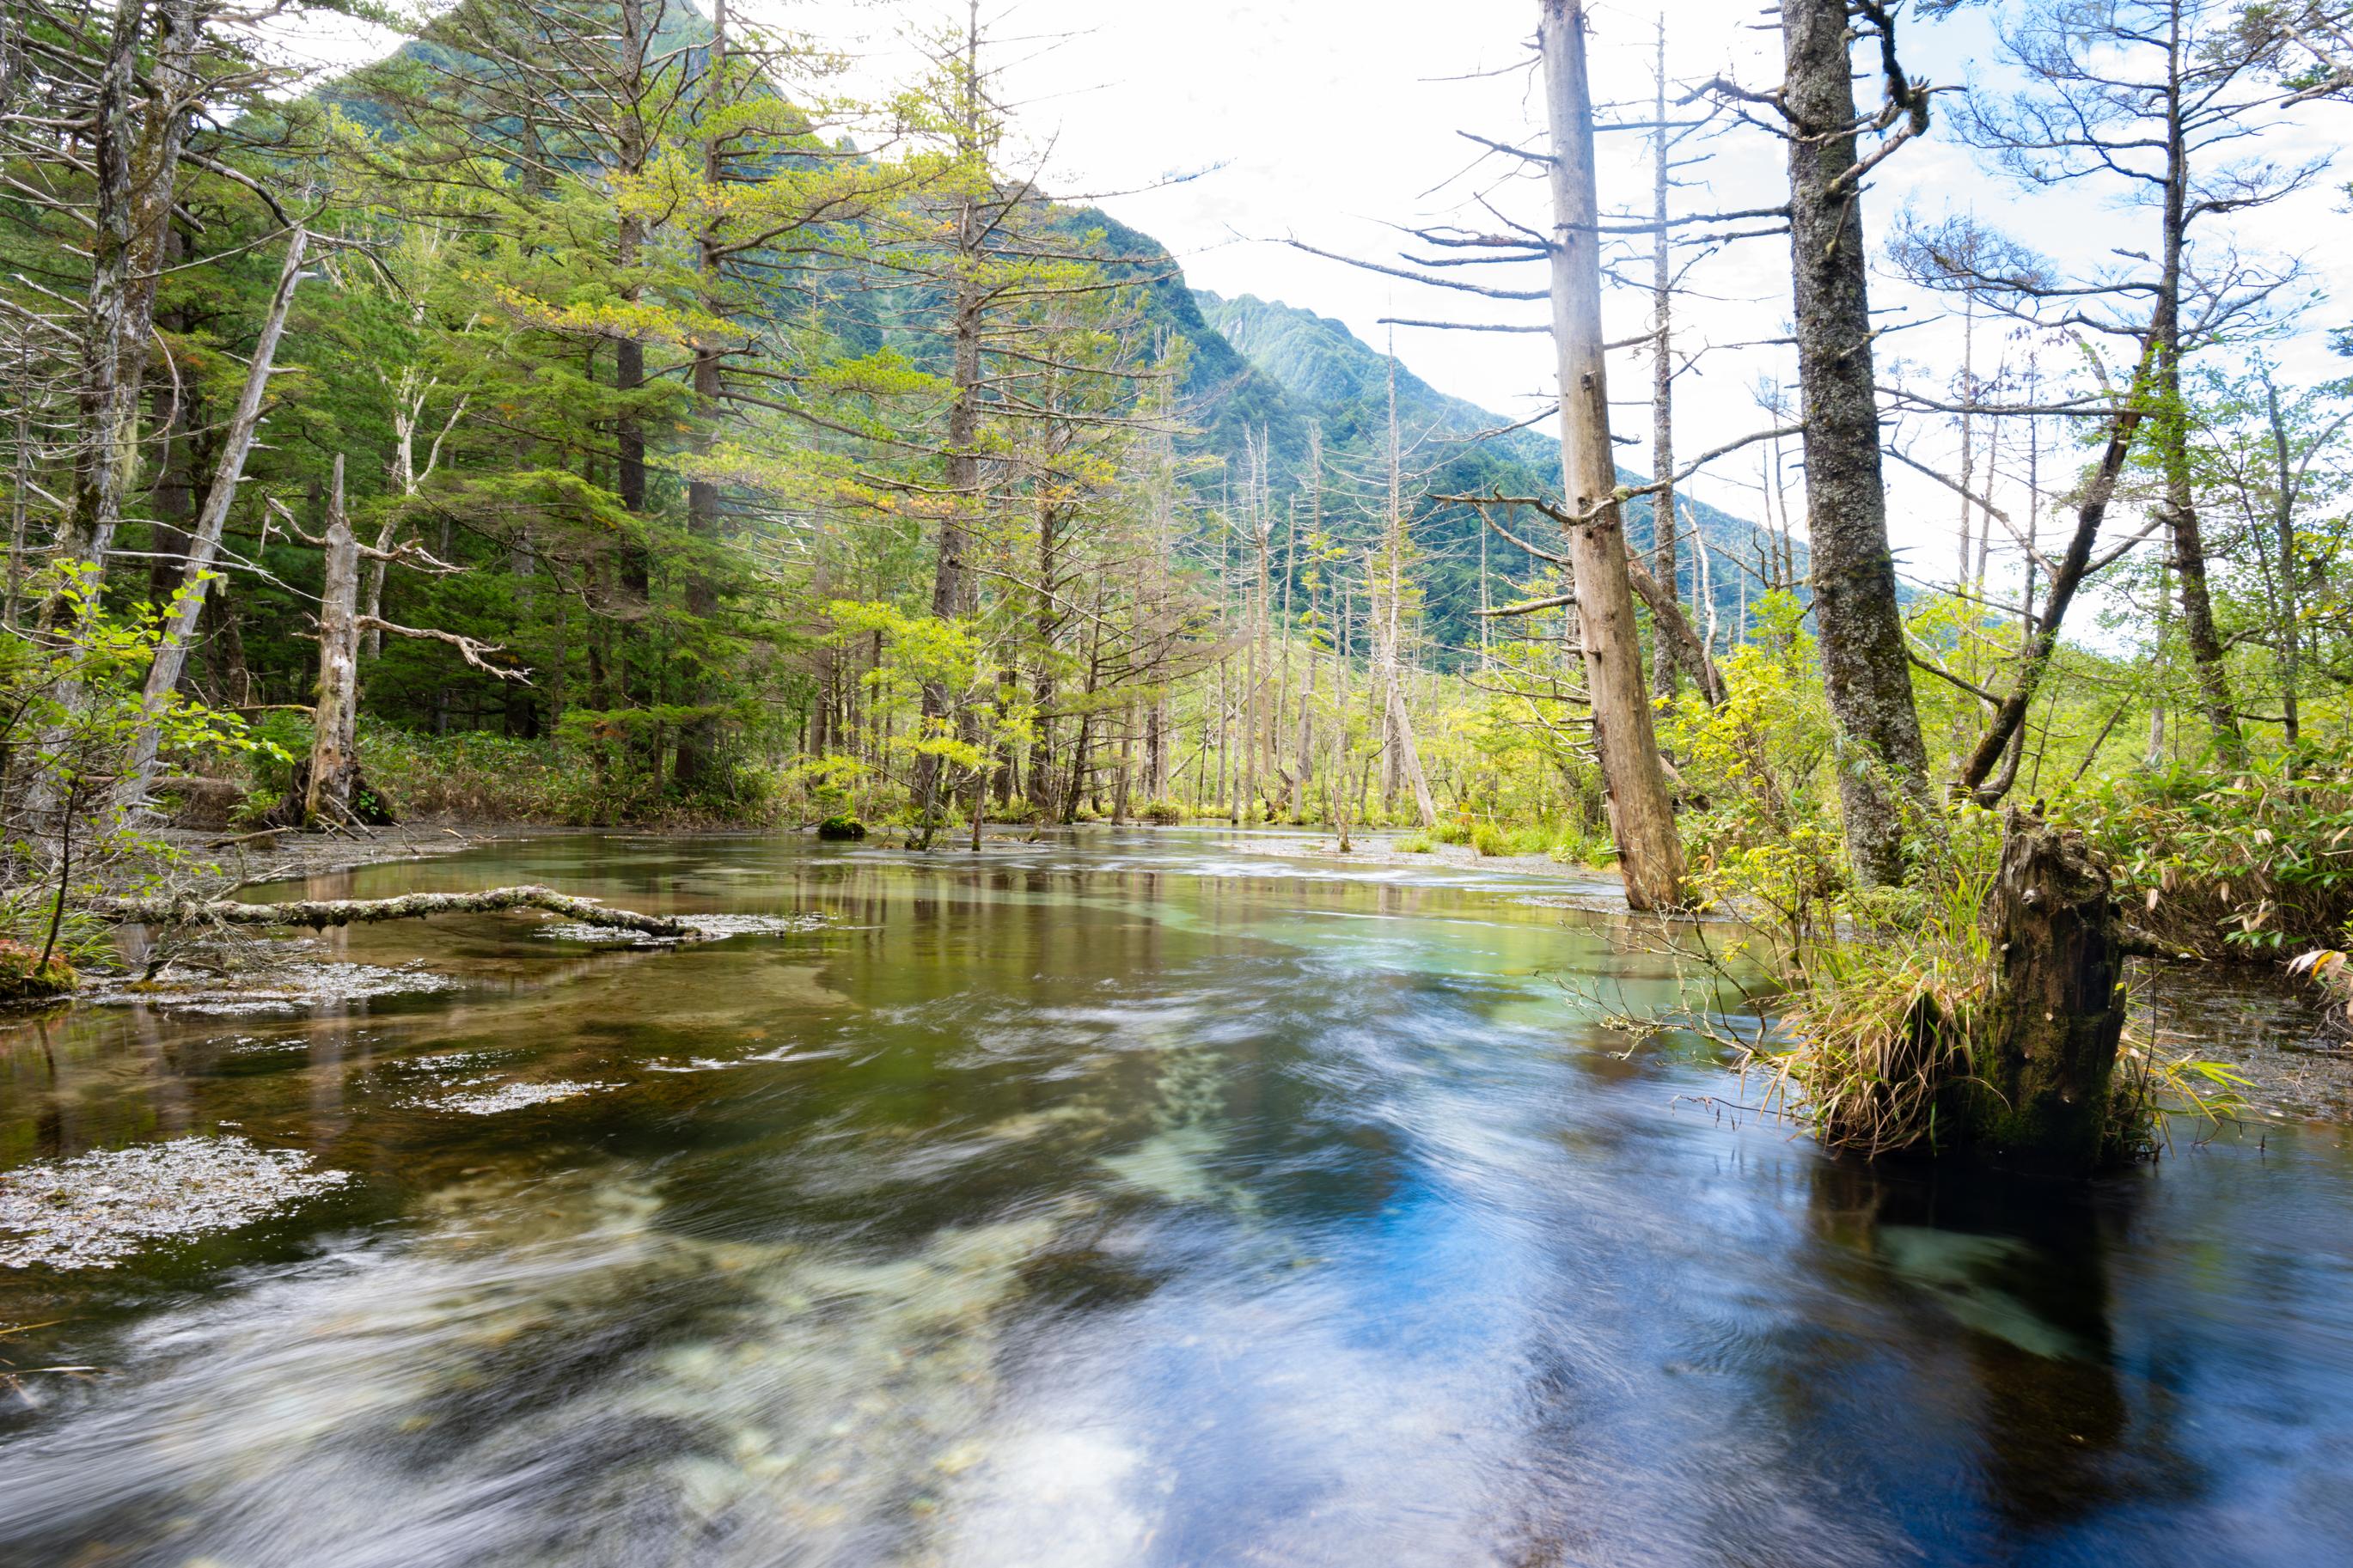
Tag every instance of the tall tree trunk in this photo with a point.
(698, 737)
(951, 586)
(135, 174)
(1865, 670)
(2291, 651)
(1641, 817)
(1665, 566)
(334, 749)
(2173, 433)
(203, 543)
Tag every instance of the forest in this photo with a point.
(1913, 622)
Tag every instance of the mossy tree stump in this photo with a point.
(2056, 1017)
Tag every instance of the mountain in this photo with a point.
(1335, 380)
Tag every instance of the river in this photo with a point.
(1133, 1198)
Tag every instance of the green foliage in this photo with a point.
(73, 714)
(841, 829)
(1761, 829)
(477, 776)
(2255, 863)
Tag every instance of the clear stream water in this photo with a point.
(1138, 1199)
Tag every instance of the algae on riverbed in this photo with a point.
(93, 1211)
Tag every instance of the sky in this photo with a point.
(1221, 127)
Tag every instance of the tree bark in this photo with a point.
(1666, 657)
(134, 178)
(1641, 817)
(203, 541)
(334, 749)
(698, 737)
(317, 914)
(1865, 670)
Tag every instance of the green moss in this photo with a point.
(25, 978)
(840, 829)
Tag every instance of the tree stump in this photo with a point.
(2057, 1012)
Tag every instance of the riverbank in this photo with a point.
(2249, 1018)
(290, 853)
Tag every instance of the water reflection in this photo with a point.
(1149, 1199)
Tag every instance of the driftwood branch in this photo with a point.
(320, 913)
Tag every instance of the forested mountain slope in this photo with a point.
(1342, 384)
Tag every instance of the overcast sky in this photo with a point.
(1224, 125)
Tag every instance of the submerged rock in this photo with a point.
(289, 989)
(510, 1097)
(93, 1211)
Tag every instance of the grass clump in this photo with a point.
(1489, 839)
(1413, 844)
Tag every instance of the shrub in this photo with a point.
(2252, 864)
(1165, 813)
(1579, 846)
(840, 829)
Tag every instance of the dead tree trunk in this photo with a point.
(334, 779)
(204, 543)
(1665, 656)
(1641, 817)
(2057, 1014)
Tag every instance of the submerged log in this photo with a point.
(2057, 1012)
(320, 913)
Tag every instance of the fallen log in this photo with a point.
(320, 913)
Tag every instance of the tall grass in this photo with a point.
(1877, 1026)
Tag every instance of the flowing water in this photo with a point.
(1144, 1198)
